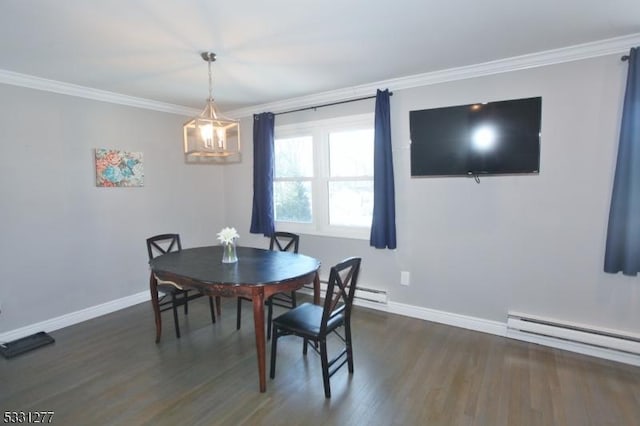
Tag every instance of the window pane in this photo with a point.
(294, 157)
(292, 201)
(351, 203)
(351, 153)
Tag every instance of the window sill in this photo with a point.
(349, 233)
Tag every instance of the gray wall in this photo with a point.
(66, 245)
(527, 243)
(533, 244)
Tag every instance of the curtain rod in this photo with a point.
(326, 105)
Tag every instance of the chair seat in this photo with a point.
(305, 320)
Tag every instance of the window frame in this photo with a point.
(319, 130)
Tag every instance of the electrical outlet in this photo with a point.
(404, 277)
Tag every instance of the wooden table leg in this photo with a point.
(258, 323)
(218, 306)
(316, 289)
(153, 288)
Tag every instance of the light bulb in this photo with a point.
(221, 134)
(206, 132)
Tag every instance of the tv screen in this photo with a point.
(486, 138)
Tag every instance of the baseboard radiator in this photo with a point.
(364, 294)
(522, 325)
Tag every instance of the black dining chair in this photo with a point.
(315, 323)
(165, 243)
(281, 241)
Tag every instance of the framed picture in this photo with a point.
(116, 168)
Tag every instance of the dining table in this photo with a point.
(257, 275)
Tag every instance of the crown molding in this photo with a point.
(578, 52)
(32, 82)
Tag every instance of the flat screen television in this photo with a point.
(491, 138)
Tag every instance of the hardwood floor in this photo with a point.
(407, 372)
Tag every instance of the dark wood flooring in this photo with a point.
(407, 372)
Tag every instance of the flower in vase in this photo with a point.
(228, 235)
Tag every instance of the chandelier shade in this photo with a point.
(211, 137)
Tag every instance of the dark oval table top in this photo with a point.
(254, 266)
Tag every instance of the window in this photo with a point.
(323, 182)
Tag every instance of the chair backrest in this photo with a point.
(285, 241)
(163, 243)
(340, 290)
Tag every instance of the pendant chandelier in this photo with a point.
(211, 137)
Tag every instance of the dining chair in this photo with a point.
(281, 241)
(314, 323)
(165, 243)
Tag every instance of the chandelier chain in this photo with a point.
(210, 81)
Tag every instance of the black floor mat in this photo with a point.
(20, 346)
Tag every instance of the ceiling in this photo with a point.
(283, 49)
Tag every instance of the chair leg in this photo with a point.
(304, 346)
(347, 338)
(274, 350)
(175, 314)
(213, 313)
(269, 316)
(156, 313)
(325, 368)
(294, 302)
(186, 301)
(239, 314)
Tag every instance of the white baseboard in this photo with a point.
(442, 317)
(75, 317)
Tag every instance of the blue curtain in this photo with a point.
(623, 235)
(383, 227)
(262, 218)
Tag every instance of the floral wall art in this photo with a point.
(116, 168)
